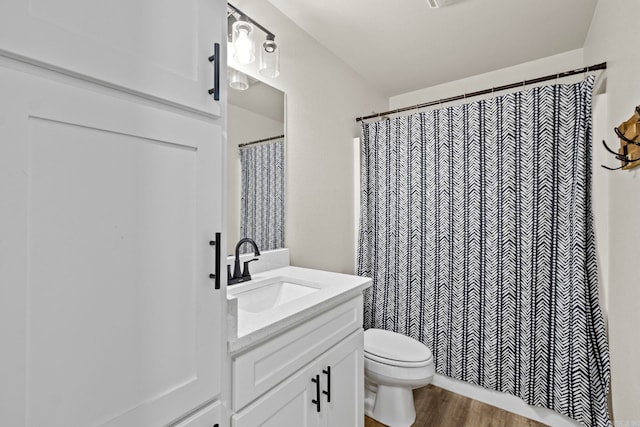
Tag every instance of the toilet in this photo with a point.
(394, 365)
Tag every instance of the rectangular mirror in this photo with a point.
(256, 163)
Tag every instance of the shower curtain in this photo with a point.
(262, 194)
(476, 227)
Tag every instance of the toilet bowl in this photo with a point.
(394, 365)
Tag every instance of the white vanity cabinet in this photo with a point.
(111, 187)
(311, 375)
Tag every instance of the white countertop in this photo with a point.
(247, 329)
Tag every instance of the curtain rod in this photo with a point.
(260, 140)
(602, 66)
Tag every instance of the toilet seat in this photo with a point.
(391, 348)
(398, 363)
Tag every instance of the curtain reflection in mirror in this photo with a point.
(262, 194)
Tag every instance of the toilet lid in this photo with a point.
(395, 349)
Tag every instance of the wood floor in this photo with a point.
(436, 407)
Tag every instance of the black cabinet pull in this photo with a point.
(316, 401)
(217, 243)
(327, 392)
(215, 58)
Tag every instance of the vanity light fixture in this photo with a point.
(238, 80)
(242, 40)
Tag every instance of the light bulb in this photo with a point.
(243, 43)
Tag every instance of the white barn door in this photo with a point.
(111, 178)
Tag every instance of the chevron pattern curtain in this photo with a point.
(262, 198)
(476, 227)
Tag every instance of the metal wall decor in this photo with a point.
(629, 134)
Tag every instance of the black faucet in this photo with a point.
(239, 277)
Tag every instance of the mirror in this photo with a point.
(255, 192)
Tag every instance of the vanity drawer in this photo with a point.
(261, 368)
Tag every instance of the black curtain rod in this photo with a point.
(261, 140)
(602, 66)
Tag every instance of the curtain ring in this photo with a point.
(557, 78)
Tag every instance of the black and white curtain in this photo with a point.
(262, 194)
(477, 229)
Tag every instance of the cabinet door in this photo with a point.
(108, 316)
(287, 405)
(208, 417)
(342, 374)
(157, 49)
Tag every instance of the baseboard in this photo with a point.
(505, 401)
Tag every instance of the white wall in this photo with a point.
(529, 70)
(242, 126)
(324, 96)
(613, 37)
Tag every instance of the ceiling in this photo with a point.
(403, 45)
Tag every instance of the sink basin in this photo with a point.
(271, 295)
(281, 298)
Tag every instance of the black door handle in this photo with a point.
(316, 401)
(327, 392)
(215, 58)
(217, 243)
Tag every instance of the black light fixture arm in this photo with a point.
(270, 35)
